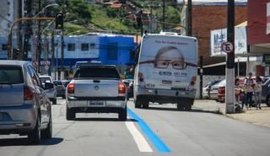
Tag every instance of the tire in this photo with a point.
(145, 104)
(185, 104)
(122, 115)
(268, 101)
(188, 104)
(70, 114)
(188, 107)
(54, 101)
(180, 107)
(137, 102)
(35, 135)
(47, 133)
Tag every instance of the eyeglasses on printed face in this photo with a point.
(176, 64)
(163, 64)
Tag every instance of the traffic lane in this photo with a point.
(91, 134)
(204, 133)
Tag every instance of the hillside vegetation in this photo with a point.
(82, 17)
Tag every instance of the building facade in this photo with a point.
(258, 31)
(208, 15)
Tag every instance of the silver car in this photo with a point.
(24, 107)
(51, 93)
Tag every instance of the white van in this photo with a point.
(166, 70)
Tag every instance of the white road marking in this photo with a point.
(139, 138)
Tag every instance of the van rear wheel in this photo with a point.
(180, 107)
(137, 102)
(145, 104)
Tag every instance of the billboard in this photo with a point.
(219, 36)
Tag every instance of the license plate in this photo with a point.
(96, 103)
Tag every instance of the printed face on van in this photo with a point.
(169, 58)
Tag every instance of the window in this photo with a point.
(92, 45)
(11, 75)
(84, 46)
(98, 72)
(112, 51)
(4, 47)
(71, 47)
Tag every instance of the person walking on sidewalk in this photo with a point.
(258, 92)
(237, 90)
(249, 85)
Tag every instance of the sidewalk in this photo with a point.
(254, 116)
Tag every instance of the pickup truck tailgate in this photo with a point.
(96, 88)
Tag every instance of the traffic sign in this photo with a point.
(227, 47)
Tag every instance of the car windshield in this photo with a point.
(11, 75)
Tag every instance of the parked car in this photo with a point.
(24, 108)
(213, 93)
(51, 93)
(221, 90)
(130, 90)
(65, 82)
(207, 88)
(60, 88)
(129, 86)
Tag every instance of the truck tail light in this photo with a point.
(193, 81)
(141, 78)
(121, 88)
(71, 88)
(28, 94)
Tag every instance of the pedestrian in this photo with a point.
(249, 86)
(237, 90)
(258, 92)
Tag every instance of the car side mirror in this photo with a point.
(48, 85)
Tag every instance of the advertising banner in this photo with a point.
(268, 18)
(219, 36)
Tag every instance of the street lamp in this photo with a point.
(43, 9)
(16, 22)
(38, 49)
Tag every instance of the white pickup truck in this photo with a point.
(96, 89)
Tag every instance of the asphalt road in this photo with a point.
(159, 130)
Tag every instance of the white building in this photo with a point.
(8, 14)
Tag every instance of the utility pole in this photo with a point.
(27, 29)
(163, 15)
(62, 56)
(53, 56)
(59, 25)
(189, 19)
(19, 31)
(201, 76)
(38, 52)
(230, 64)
